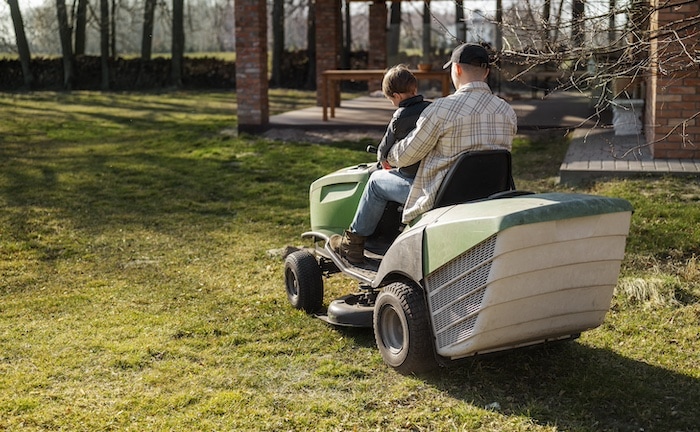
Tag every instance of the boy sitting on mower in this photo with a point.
(400, 86)
(471, 119)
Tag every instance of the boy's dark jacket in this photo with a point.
(402, 123)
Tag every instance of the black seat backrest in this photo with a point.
(476, 175)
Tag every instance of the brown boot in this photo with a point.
(350, 246)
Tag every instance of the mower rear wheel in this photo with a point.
(304, 281)
(402, 329)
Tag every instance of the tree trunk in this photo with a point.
(499, 27)
(277, 41)
(339, 33)
(311, 46)
(104, 43)
(347, 42)
(578, 9)
(427, 49)
(22, 45)
(80, 27)
(546, 14)
(394, 32)
(147, 36)
(611, 23)
(557, 22)
(113, 30)
(494, 80)
(178, 42)
(65, 32)
(461, 24)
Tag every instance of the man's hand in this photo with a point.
(386, 165)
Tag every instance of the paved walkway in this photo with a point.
(566, 112)
(595, 151)
(359, 113)
(599, 153)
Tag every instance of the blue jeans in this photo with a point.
(383, 186)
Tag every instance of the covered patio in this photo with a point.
(595, 151)
(671, 123)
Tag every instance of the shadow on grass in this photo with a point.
(576, 388)
(570, 386)
(133, 184)
(362, 336)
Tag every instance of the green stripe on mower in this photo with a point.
(451, 231)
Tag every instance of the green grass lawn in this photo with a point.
(136, 291)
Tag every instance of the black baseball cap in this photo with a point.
(469, 53)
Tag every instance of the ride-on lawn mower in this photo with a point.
(488, 269)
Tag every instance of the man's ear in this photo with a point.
(458, 69)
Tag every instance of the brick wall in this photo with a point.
(251, 65)
(673, 104)
(377, 56)
(328, 47)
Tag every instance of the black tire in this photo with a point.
(402, 329)
(304, 281)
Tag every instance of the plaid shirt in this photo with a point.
(471, 119)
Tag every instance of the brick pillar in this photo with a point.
(251, 65)
(673, 102)
(377, 40)
(328, 47)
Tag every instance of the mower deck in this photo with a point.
(352, 310)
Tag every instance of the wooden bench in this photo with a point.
(331, 79)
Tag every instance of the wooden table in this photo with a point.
(331, 79)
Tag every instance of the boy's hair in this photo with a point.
(399, 79)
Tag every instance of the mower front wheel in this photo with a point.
(304, 281)
(402, 329)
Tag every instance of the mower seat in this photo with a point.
(474, 176)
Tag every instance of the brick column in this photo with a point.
(673, 102)
(377, 40)
(328, 33)
(251, 65)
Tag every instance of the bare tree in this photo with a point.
(22, 45)
(80, 27)
(104, 43)
(394, 32)
(146, 38)
(178, 42)
(602, 49)
(112, 29)
(147, 34)
(65, 33)
(460, 23)
(546, 13)
(578, 17)
(427, 32)
(277, 41)
(311, 45)
(347, 39)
